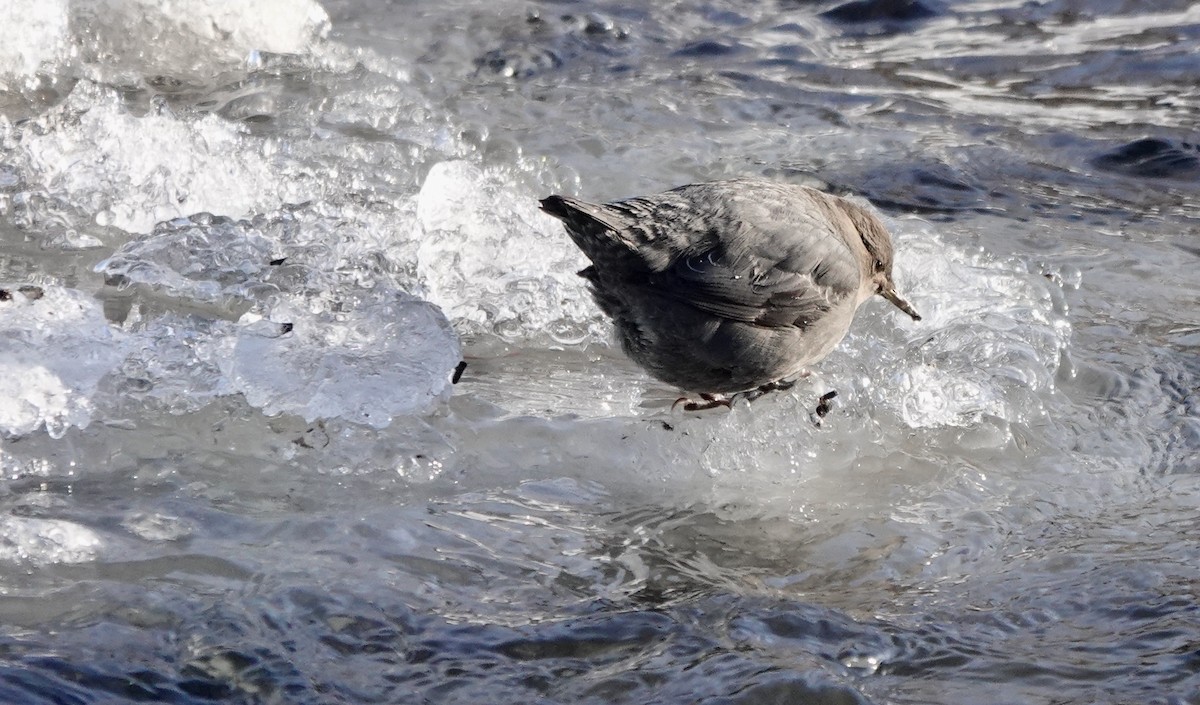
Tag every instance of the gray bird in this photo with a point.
(731, 286)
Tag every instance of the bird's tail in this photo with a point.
(556, 206)
(595, 229)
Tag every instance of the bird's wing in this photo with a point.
(771, 291)
(767, 254)
(650, 232)
(751, 252)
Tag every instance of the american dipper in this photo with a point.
(731, 286)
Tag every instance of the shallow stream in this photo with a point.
(244, 245)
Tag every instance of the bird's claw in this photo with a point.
(824, 406)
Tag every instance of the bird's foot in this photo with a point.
(710, 401)
(824, 406)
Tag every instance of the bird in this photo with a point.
(731, 288)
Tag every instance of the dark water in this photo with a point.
(235, 471)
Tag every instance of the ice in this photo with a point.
(41, 542)
(33, 396)
(277, 309)
(978, 374)
(931, 397)
(55, 346)
(989, 346)
(495, 264)
(991, 342)
(173, 366)
(32, 36)
(202, 258)
(279, 26)
(218, 257)
(107, 39)
(132, 172)
(376, 355)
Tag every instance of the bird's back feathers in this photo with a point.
(749, 251)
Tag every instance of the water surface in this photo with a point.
(242, 250)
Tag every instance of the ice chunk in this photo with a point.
(132, 172)
(324, 330)
(41, 542)
(196, 38)
(931, 397)
(372, 356)
(316, 321)
(991, 342)
(278, 26)
(55, 346)
(31, 395)
(32, 35)
(497, 265)
(366, 357)
(173, 366)
(202, 258)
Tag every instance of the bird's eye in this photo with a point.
(878, 265)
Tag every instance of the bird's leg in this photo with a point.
(711, 401)
(776, 386)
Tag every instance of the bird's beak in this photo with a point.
(888, 291)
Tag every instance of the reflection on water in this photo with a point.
(235, 468)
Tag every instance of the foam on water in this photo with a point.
(40, 542)
(156, 526)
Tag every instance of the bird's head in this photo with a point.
(878, 245)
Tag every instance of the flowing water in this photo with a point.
(243, 246)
